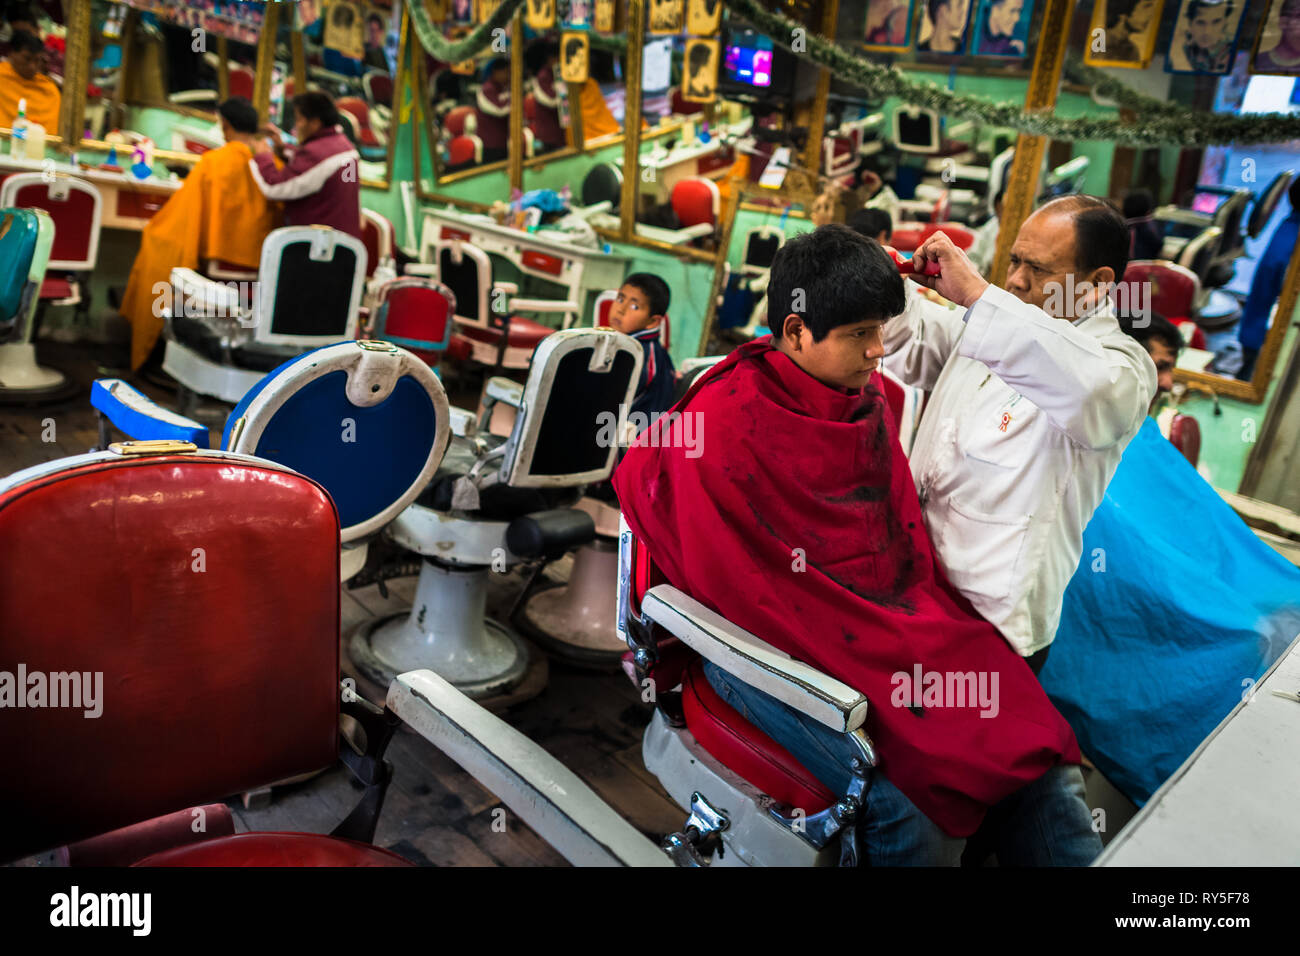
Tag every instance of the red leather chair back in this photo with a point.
(380, 88)
(76, 227)
(693, 201)
(204, 590)
(1173, 289)
(241, 82)
(681, 106)
(464, 149)
(1185, 435)
(454, 121)
(417, 315)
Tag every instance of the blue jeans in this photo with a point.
(1046, 823)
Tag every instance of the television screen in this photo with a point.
(749, 60)
(1208, 202)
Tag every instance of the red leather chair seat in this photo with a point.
(55, 288)
(524, 333)
(745, 749)
(275, 849)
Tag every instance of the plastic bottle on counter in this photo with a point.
(18, 138)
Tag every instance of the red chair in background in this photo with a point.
(75, 206)
(681, 106)
(1167, 289)
(909, 236)
(379, 87)
(357, 112)
(460, 121)
(267, 706)
(464, 151)
(695, 201)
(1185, 435)
(378, 235)
(417, 314)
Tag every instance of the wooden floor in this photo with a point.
(435, 813)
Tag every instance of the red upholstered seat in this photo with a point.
(745, 749)
(1185, 435)
(55, 288)
(695, 201)
(275, 849)
(909, 236)
(524, 333)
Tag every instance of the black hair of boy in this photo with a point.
(871, 222)
(837, 277)
(656, 290)
(1151, 325)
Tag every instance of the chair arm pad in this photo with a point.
(426, 269)
(674, 237)
(502, 389)
(216, 298)
(758, 664)
(546, 795)
(543, 305)
(549, 533)
(139, 417)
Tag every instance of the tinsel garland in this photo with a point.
(457, 51)
(1160, 123)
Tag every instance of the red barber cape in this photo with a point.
(787, 506)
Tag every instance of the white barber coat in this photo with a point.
(1026, 422)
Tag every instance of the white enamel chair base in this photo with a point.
(752, 837)
(448, 632)
(20, 375)
(577, 620)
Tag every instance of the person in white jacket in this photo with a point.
(1035, 391)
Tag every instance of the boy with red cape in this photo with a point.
(792, 512)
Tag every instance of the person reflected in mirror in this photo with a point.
(492, 110)
(1266, 286)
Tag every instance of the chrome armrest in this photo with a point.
(544, 793)
(757, 663)
(674, 237)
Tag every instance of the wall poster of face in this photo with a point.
(889, 25)
(943, 26)
(665, 16)
(1205, 36)
(1002, 28)
(574, 57)
(700, 80)
(703, 17)
(1123, 33)
(1277, 46)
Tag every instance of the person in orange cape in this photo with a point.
(776, 493)
(21, 78)
(218, 214)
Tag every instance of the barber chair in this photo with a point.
(379, 88)
(74, 206)
(750, 803)
(417, 315)
(1183, 432)
(308, 295)
(26, 237)
(1174, 292)
(367, 420)
(463, 151)
(377, 234)
(1214, 309)
(602, 190)
(494, 504)
(208, 684)
(909, 236)
(460, 121)
(371, 144)
(761, 245)
(696, 202)
(486, 309)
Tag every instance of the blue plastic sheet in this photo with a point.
(1175, 611)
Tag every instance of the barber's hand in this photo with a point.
(958, 280)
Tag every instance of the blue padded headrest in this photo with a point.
(367, 458)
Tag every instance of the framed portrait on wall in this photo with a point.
(944, 25)
(462, 11)
(1277, 44)
(889, 25)
(703, 17)
(665, 16)
(486, 8)
(540, 14)
(605, 15)
(577, 15)
(1002, 28)
(1205, 36)
(1123, 33)
(575, 49)
(700, 71)
(344, 30)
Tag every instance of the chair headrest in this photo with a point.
(368, 420)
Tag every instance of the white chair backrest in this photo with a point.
(580, 384)
(310, 285)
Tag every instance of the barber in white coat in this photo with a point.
(1035, 392)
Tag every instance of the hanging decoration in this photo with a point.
(1160, 123)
